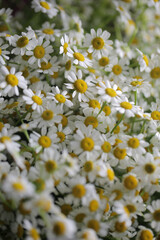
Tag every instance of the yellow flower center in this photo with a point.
(65, 46)
(47, 115)
(18, 186)
(45, 66)
(155, 115)
(34, 79)
(87, 144)
(65, 209)
(94, 224)
(39, 52)
(22, 42)
(146, 235)
(126, 105)
(103, 61)
(93, 205)
(25, 73)
(12, 80)
(44, 141)
(130, 182)
(118, 193)
(156, 215)
(4, 139)
(117, 69)
(88, 166)
(0, 51)
(106, 147)
(64, 120)
(149, 168)
(79, 217)
(68, 65)
(146, 59)
(45, 5)
(131, 208)
(91, 121)
(44, 204)
(155, 73)
(59, 228)
(60, 98)
(34, 234)
(133, 142)
(25, 57)
(61, 136)
(111, 92)
(94, 104)
(107, 110)
(110, 174)
(49, 31)
(78, 191)
(119, 153)
(120, 227)
(37, 100)
(79, 56)
(1, 126)
(55, 75)
(136, 83)
(50, 166)
(80, 85)
(98, 43)
(39, 184)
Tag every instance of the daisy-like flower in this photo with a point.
(144, 233)
(79, 58)
(62, 98)
(6, 14)
(40, 53)
(86, 140)
(9, 140)
(143, 61)
(34, 99)
(49, 67)
(45, 7)
(10, 81)
(154, 67)
(47, 31)
(87, 234)
(17, 187)
(147, 168)
(65, 40)
(128, 108)
(154, 216)
(23, 43)
(108, 91)
(79, 86)
(33, 232)
(98, 42)
(3, 52)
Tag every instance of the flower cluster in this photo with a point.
(80, 126)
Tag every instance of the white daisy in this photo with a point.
(45, 7)
(154, 216)
(34, 99)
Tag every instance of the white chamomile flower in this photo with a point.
(80, 59)
(143, 61)
(33, 233)
(64, 45)
(6, 14)
(40, 53)
(45, 7)
(34, 99)
(9, 140)
(154, 216)
(3, 52)
(62, 98)
(144, 233)
(47, 31)
(98, 42)
(88, 234)
(23, 43)
(11, 81)
(79, 86)
(49, 67)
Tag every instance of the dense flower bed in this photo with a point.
(80, 121)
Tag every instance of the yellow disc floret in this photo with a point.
(150, 168)
(130, 182)
(47, 115)
(48, 31)
(155, 73)
(22, 42)
(80, 85)
(156, 215)
(50, 166)
(155, 115)
(45, 66)
(59, 228)
(94, 104)
(111, 92)
(110, 174)
(91, 121)
(44, 141)
(146, 235)
(88, 166)
(78, 191)
(18, 186)
(79, 56)
(94, 224)
(117, 69)
(87, 144)
(126, 105)
(133, 142)
(45, 5)
(103, 61)
(34, 234)
(98, 43)
(106, 147)
(120, 227)
(39, 52)
(93, 205)
(12, 80)
(120, 153)
(37, 100)
(61, 136)
(60, 98)
(4, 139)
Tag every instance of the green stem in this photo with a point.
(103, 105)
(118, 123)
(142, 128)
(135, 97)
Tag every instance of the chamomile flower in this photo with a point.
(64, 45)
(32, 231)
(45, 7)
(154, 216)
(40, 53)
(98, 42)
(11, 81)
(62, 98)
(49, 67)
(79, 86)
(47, 31)
(3, 52)
(34, 99)
(144, 233)
(143, 61)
